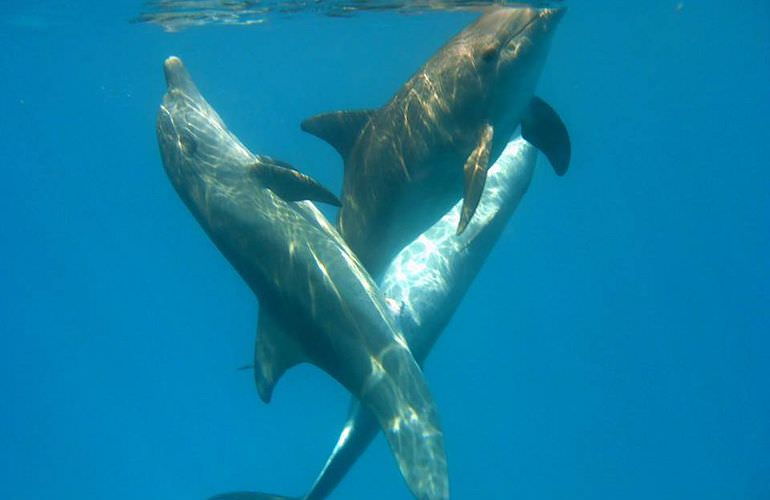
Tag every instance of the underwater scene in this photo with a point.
(385, 249)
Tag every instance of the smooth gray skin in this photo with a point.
(424, 285)
(408, 162)
(317, 303)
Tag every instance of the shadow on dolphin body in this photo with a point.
(407, 162)
(317, 302)
(424, 285)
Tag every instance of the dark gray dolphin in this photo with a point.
(317, 303)
(409, 161)
(423, 285)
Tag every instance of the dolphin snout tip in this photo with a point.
(176, 75)
(172, 61)
(553, 14)
(172, 64)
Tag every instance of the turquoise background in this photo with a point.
(614, 346)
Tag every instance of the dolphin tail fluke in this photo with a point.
(251, 495)
(291, 184)
(475, 177)
(339, 128)
(275, 352)
(542, 127)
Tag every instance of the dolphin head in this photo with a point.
(505, 50)
(198, 151)
(217, 177)
(508, 35)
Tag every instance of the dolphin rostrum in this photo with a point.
(317, 302)
(407, 162)
(424, 284)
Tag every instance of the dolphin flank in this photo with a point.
(317, 302)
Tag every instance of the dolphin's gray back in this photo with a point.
(356, 436)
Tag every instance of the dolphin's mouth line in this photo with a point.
(522, 29)
(168, 113)
(170, 117)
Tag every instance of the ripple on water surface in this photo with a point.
(177, 15)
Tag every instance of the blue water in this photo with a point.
(616, 345)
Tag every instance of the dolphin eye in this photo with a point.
(489, 54)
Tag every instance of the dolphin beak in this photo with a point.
(552, 15)
(177, 77)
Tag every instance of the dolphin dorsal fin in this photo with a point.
(542, 127)
(339, 128)
(274, 353)
(291, 184)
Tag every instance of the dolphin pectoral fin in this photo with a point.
(274, 353)
(338, 128)
(291, 184)
(543, 128)
(475, 176)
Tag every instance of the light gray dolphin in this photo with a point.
(423, 285)
(409, 161)
(317, 302)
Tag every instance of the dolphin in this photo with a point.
(409, 161)
(317, 302)
(423, 285)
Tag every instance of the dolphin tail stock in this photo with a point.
(395, 399)
(397, 395)
(339, 128)
(542, 127)
(356, 436)
(395, 392)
